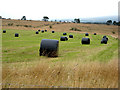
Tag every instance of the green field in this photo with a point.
(26, 47)
(24, 50)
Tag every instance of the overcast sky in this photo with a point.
(58, 9)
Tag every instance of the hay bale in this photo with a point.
(4, 31)
(105, 37)
(104, 41)
(45, 30)
(66, 38)
(53, 31)
(85, 41)
(63, 38)
(37, 32)
(49, 48)
(95, 34)
(70, 36)
(16, 35)
(86, 34)
(42, 31)
(64, 33)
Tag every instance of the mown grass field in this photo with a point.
(89, 66)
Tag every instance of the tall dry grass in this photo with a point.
(69, 74)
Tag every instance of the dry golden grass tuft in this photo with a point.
(76, 74)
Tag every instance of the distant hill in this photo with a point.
(94, 19)
(100, 19)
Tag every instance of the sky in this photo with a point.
(58, 9)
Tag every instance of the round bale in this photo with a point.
(64, 33)
(95, 34)
(86, 34)
(63, 38)
(66, 38)
(4, 31)
(53, 31)
(85, 41)
(42, 31)
(49, 47)
(16, 35)
(105, 37)
(104, 41)
(70, 36)
(37, 32)
(45, 30)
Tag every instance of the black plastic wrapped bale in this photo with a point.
(85, 41)
(64, 33)
(66, 38)
(95, 34)
(86, 34)
(16, 35)
(42, 31)
(63, 38)
(53, 31)
(45, 30)
(105, 37)
(70, 36)
(49, 48)
(104, 41)
(4, 31)
(37, 32)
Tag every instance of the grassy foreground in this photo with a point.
(90, 66)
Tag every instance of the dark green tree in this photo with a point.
(114, 23)
(45, 18)
(77, 20)
(109, 22)
(23, 18)
(118, 23)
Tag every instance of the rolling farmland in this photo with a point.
(77, 65)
